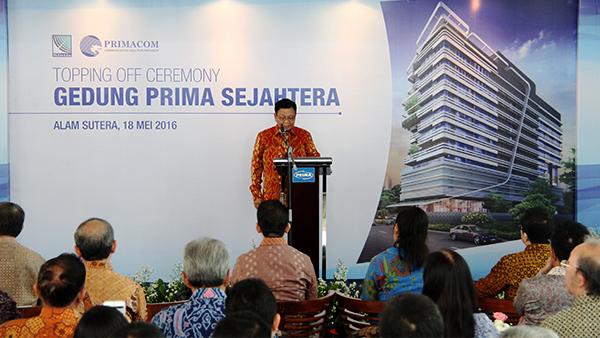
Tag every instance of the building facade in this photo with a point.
(476, 122)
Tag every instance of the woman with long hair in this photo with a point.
(399, 269)
(448, 282)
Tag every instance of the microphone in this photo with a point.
(282, 129)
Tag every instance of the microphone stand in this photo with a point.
(291, 163)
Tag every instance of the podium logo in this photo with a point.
(62, 46)
(90, 46)
(303, 175)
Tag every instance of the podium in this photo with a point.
(308, 202)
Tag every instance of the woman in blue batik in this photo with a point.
(399, 269)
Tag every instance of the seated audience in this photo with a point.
(95, 243)
(447, 280)
(399, 269)
(546, 294)
(527, 331)
(411, 315)
(99, 321)
(138, 330)
(206, 272)
(8, 308)
(582, 274)
(19, 266)
(509, 272)
(288, 272)
(60, 287)
(242, 324)
(254, 295)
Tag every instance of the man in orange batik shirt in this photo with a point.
(270, 144)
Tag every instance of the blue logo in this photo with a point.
(62, 46)
(303, 175)
(90, 46)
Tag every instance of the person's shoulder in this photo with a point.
(269, 131)
(388, 253)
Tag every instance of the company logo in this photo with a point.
(304, 175)
(90, 46)
(62, 46)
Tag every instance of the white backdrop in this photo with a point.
(161, 188)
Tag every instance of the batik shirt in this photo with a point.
(19, 267)
(195, 318)
(582, 320)
(269, 145)
(542, 296)
(288, 272)
(484, 327)
(102, 283)
(50, 323)
(510, 271)
(389, 275)
(8, 308)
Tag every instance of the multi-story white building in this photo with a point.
(477, 124)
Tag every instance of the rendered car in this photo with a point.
(472, 233)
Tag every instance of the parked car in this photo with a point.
(472, 233)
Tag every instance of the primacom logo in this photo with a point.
(62, 46)
(90, 46)
(303, 175)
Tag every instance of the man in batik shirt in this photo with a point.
(206, 273)
(270, 144)
(60, 286)
(95, 243)
(511, 270)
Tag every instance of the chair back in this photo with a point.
(155, 308)
(491, 305)
(305, 318)
(357, 313)
(29, 311)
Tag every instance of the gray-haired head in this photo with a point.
(94, 238)
(589, 264)
(528, 331)
(206, 262)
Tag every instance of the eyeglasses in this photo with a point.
(565, 264)
(286, 118)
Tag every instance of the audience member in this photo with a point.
(509, 272)
(60, 286)
(288, 272)
(399, 269)
(242, 324)
(138, 330)
(527, 331)
(411, 315)
(99, 321)
(582, 274)
(206, 272)
(254, 295)
(19, 266)
(95, 243)
(447, 280)
(546, 294)
(8, 308)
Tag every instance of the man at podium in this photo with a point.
(270, 144)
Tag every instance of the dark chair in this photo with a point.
(357, 313)
(29, 311)
(154, 308)
(306, 318)
(491, 305)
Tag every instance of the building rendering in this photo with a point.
(476, 122)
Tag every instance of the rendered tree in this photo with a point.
(495, 202)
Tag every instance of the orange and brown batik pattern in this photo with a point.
(510, 271)
(50, 323)
(269, 145)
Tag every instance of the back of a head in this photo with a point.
(411, 315)
(138, 330)
(537, 224)
(254, 295)
(566, 236)
(413, 224)
(447, 280)
(243, 324)
(272, 217)
(60, 280)
(94, 238)
(11, 219)
(99, 321)
(528, 331)
(589, 265)
(285, 103)
(206, 262)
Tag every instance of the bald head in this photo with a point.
(95, 239)
(583, 274)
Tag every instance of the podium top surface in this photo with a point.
(305, 161)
